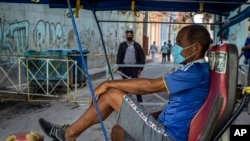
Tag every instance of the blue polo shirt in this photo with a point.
(247, 52)
(188, 87)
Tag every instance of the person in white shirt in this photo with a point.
(153, 50)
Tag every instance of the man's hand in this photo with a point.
(139, 73)
(247, 47)
(98, 91)
(101, 88)
(243, 48)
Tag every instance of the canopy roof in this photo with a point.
(211, 6)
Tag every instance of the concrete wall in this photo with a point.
(155, 30)
(38, 27)
(237, 33)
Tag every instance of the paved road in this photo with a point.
(16, 117)
(22, 117)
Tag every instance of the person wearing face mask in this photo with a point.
(187, 87)
(245, 51)
(130, 52)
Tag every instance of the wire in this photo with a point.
(107, 21)
(87, 73)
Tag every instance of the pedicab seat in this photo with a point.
(219, 105)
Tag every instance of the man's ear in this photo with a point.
(198, 47)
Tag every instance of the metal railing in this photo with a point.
(44, 78)
(38, 77)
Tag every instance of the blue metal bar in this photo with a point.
(87, 73)
(103, 45)
(236, 19)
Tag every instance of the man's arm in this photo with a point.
(119, 55)
(140, 57)
(137, 86)
(241, 54)
(247, 47)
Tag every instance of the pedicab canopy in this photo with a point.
(222, 8)
(211, 6)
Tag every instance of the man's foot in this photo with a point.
(55, 131)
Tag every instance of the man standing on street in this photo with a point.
(131, 53)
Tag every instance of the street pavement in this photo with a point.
(16, 117)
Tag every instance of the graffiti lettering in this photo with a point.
(14, 37)
(49, 35)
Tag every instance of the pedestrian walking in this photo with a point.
(169, 50)
(153, 50)
(164, 51)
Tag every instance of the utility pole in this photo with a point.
(169, 26)
(145, 33)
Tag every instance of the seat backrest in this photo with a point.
(219, 104)
(229, 95)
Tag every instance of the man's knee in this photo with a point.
(113, 94)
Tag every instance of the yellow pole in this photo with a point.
(35, 1)
(27, 78)
(201, 7)
(78, 7)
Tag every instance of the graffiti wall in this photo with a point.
(14, 36)
(38, 27)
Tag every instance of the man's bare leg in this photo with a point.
(108, 102)
(117, 133)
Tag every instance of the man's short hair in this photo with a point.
(198, 33)
(129, 31)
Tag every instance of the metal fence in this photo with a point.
(37, 77)
(46, 78)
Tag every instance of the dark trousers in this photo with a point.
(133, 73)
(168, 54)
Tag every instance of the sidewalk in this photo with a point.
(158, 58)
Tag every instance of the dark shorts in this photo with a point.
(164, 54)
(138, 124)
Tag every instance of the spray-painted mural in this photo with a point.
(87, 39)
(49, 35)
(14, 37)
